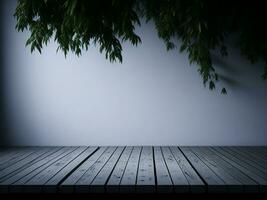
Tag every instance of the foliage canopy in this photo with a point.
(201, 26)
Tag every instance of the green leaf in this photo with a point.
(200, 27)
(73, 6)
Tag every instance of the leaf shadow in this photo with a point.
(228, 74)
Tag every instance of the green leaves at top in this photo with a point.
(200, 26)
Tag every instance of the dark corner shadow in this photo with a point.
(3, 121)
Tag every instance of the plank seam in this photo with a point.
(126, 165)
(103, 165)
(250, 169)
(202, 179)
(60, 148)
(247, 161)
(222, 158)
(167, 166)
(23, 167)
(67, 163)
(113, 168)
(155, 172)
(138, 167)
(253, 162)
(76, 167)
(20, 159)
(53, 161)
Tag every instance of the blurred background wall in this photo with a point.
(154, 98)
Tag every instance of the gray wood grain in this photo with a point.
(164, 181)
(69, 183)
(128, 181)
(98, 184)
(232, 184)
(254, 155)
(51, 185)
(24, 153)
(195, 182)
(255, 174)
(20, 184)
(87, 178)
(249, 184)
(9, 154)
(29, 164)
(146, 175)
(179, 180)
(50, 155)
(20, 164)
(116, 176)
(133, 169)
(246, 160)
(253, 160)
(44, 176)
(214, 182)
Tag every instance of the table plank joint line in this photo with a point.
(202, 179)
(77, 166)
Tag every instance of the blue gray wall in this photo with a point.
(154, 98)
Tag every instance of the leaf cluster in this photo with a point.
(200, 25)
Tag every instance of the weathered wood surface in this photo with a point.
(133, 169)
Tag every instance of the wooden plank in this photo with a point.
(43, 159)
(249, 185)
(214, 182)
(195, 182)
(36, 183)
(246, 169)
(246, 160)
(128, 180)
(178, 178)
(9, 154)
(254, 161)
(87, 178)
(20, 164)
(52, 184)
(164, 181)
(232, 184)
(254, 155)
(124, 169)
(43, 156)
(261, 150)
(68, 185)
(261, 157)
(18, 157)
(13, 153)
(238, 159)
(116, 176)
(18, 186)
(243, 166)
(146, 175)
(98, 184)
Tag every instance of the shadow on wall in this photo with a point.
(3, 123)
(224, 69)
(154, 95)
